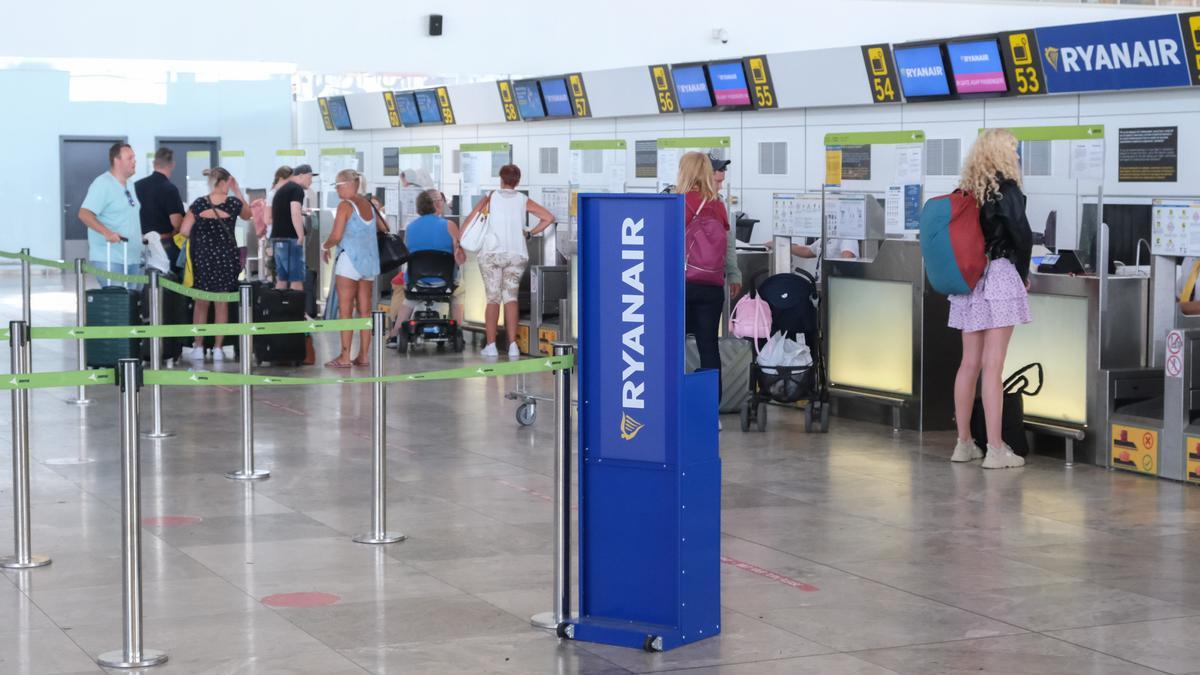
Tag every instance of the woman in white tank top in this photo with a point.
(503, 262)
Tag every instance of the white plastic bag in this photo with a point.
(154, 255)
(784, 352)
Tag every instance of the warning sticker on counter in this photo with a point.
(1193, 458)
(1135, 449)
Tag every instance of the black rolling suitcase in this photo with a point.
(736, 356)
(176, 311)
(112, 306)
(273, 304)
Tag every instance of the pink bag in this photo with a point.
(705, 245)
(751, 318)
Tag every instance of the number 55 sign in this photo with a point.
(758, 73)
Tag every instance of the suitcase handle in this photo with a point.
(124, 256)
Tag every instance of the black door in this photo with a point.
(182, 146)
(80, 161)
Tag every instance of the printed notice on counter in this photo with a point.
(893, 211)
(1087, 159)
(796, 215)
(833, 166)
(1175, 227)
(1148, 155)
(910, 162)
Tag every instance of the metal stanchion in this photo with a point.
(131, 654)
(378, 533)
(80, 321)
(246, 346)
(22, 558)
(156, 357)
(27, 302)
(561, 607)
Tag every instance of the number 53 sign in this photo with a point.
(1022, 62)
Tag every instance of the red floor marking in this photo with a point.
(391, 446)
(302, 600)
(526, 490)
(224, 388)
(170, 521)
(773, 576)
(280, 406)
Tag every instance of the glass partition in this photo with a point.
(871, 334)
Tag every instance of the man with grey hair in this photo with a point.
(162, 208)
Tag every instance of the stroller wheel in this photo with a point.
(526, 413)
(824, 417)
(761, 416)
(808, 416)
(745, 416)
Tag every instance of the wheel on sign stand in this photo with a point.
(527, 413)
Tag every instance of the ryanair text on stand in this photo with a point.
(633, 323)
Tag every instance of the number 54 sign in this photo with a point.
(881, 73)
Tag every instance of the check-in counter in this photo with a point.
(889, 349)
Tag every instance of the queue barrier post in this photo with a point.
(80, 321)
(22, 558)
(131, 654)
(156, 297)
(27, 301)
(246, 346)
(379, 533)
(561, 603)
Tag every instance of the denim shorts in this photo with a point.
(289, 260)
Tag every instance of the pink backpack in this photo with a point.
(751, 318)
(704, 245)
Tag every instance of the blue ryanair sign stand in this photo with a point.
(649, 468)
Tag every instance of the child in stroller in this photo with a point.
(795, 311)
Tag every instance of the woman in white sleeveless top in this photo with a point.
(504, 262)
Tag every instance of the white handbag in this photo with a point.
(478, 235)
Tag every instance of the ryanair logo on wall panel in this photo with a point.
(1125, 54)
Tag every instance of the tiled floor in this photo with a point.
(859, 552)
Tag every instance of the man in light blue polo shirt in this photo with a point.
(111, 212)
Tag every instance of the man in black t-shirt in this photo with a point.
(162, 208)
(287, 229)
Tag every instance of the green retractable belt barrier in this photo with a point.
(186, 330)
(72, 378)
(116, 276)
(209, 378)
(198, 294)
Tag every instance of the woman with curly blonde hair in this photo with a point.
(986, 317)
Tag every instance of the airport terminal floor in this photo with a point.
(858, 552)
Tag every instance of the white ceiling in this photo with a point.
(485, 38)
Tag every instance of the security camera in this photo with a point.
(721, 34)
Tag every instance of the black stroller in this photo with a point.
(429, 279)
(795, 310)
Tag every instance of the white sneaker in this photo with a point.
(196, 354)
(514, 352)
(1002, 458)
(966, 451)
(218, 354)
(489, 352)
(720, 427)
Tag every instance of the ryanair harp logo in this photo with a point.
(629, 427)
(1052, 57)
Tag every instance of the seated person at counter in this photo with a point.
(807, 256)
(1189, 290)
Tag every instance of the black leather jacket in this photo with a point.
(1006, 232)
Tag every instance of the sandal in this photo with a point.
(337, 364)
(356, 362)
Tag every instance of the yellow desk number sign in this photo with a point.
(1135, 449)
(881, 73)
(1192, 443)
(664, 91)
(1023, 63)
(508, 101)
(761, 86)
(389, 101)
